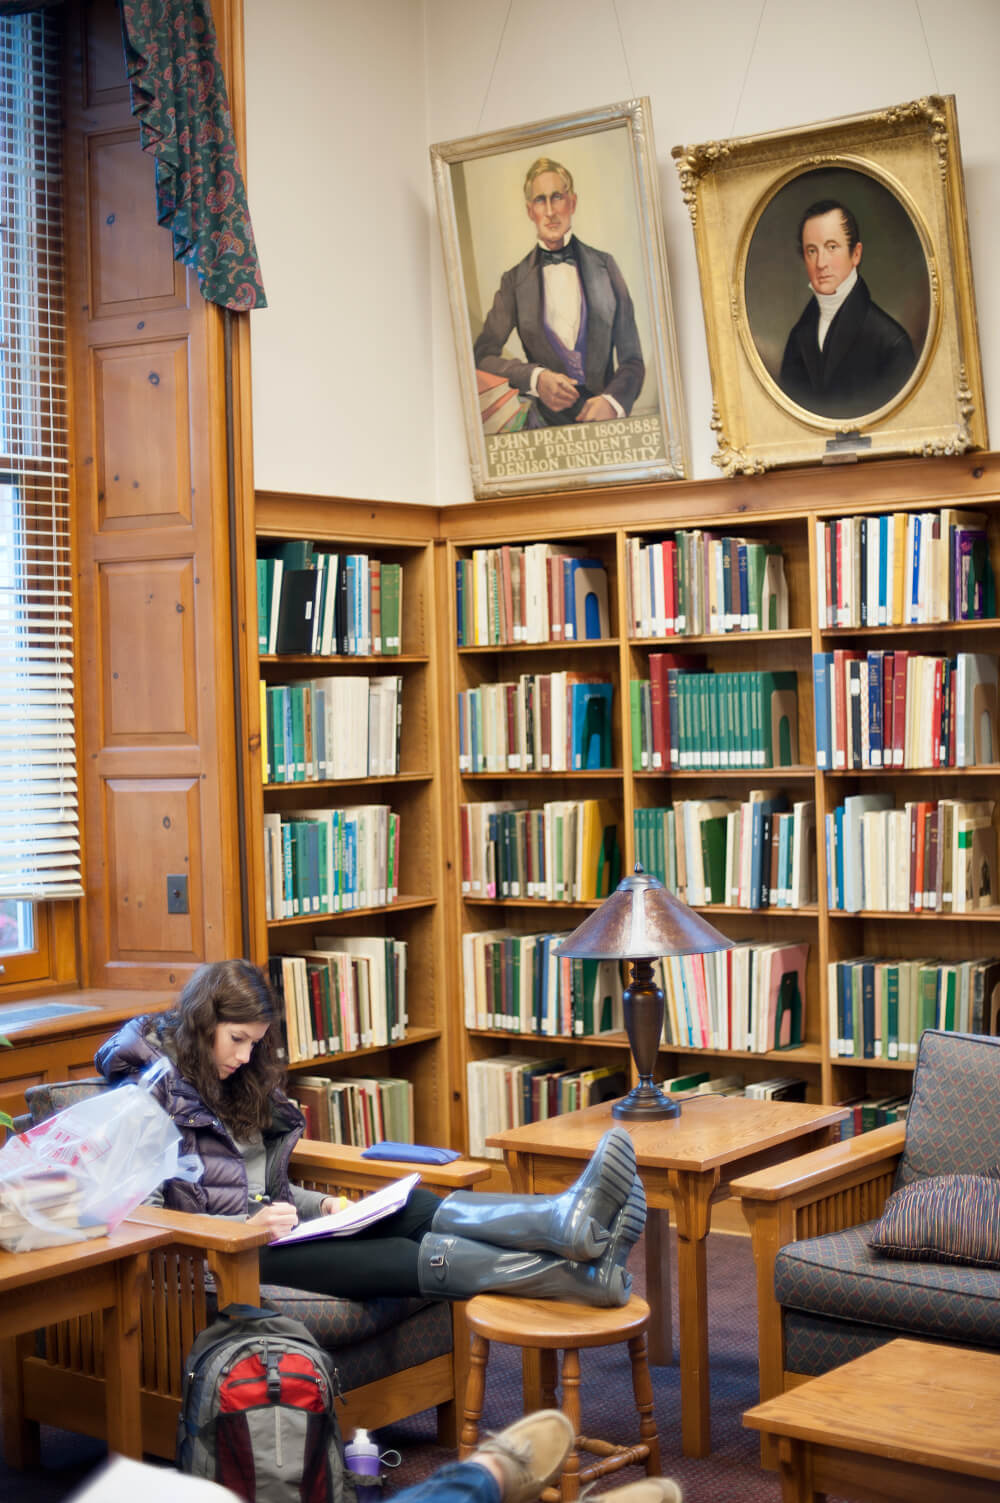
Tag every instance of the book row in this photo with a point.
(930, 855)
(513, 1089)
(313, 601)
(878, 1008)
(566, 851)
(516, 983)
(903, 568)
(545, 722)
(368, 1110)
(867, 1113)
(538, 592)
(303, 724)
(330, 860)
(904, 709)
(696, 583)
(709, 720)
(758, 853)
(750, 997)
(346, 993)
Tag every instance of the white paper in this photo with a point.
(356, 1216)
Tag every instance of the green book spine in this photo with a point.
(635, 721)
(891, 1030)
(392, 604)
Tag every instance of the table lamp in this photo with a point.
(639, 922)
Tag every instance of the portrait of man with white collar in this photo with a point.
(845, 356)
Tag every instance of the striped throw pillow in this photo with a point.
(950, 1218)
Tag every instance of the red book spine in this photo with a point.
(658, 701)
(887, 704)
(670, 583)
(900, 661)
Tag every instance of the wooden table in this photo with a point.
(58, 1283)
(686, 1163)
(913, 1420)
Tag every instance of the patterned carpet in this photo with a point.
(731, 1472)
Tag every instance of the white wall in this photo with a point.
(355, 392)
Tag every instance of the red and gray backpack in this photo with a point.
(257, 1411)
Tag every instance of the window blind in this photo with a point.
(39, 830)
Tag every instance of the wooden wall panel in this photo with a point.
(142, 398)
(147, 620)
(120, 184)
(152, 830)
(157, 734)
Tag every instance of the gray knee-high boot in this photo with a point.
(575, 1224)
(459, 1268)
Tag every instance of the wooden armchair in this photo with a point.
(419, 1348)
(829, 1190)
(824, 1294)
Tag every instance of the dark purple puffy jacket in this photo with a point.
(222, 1189)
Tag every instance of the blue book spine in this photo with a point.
(743, 573)
(839, 848)
(569, 568)
(914, 614)
(351, 863)
(875, 734)
(822, 667)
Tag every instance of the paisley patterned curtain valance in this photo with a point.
(179, 98)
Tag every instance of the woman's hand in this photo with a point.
(278, 1219)
(333, 1203)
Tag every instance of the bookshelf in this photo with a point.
(411, 794)
(435, 914)
(781, 508)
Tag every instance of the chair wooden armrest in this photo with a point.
(828, 1190)
(229, 1247)
(340, 1166)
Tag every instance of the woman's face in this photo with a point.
(233, 1045)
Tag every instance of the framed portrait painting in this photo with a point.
(560, 303)
(837, 289)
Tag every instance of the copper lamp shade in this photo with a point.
(639, 922)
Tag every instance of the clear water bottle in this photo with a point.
(361, 1455)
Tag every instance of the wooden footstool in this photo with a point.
(550, 1327)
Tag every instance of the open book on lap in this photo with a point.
(356, 1216)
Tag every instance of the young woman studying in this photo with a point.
(226, 1096)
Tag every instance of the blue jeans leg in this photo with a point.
(457, 1482)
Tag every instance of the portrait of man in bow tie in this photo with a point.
(571, 310)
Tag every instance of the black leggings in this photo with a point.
(381, 1260)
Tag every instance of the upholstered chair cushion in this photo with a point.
(953, 1123)
(952, 1218)
(55, 1095)
(841, 1276)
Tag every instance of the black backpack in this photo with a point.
(257, 1411)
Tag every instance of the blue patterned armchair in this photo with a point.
(824, 1295)
(394, 1357)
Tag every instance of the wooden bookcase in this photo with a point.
(780, 506)
(404, 535)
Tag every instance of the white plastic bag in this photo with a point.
(80, 1172)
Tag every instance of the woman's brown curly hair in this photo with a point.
(227, 991)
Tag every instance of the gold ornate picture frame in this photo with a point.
(902, 374)
(620, 347)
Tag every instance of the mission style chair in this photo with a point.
(824, 1294)
(394, 1357)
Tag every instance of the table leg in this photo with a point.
(122, 1371)
(794, 1462)
(692, 1210)
(657, 1245)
